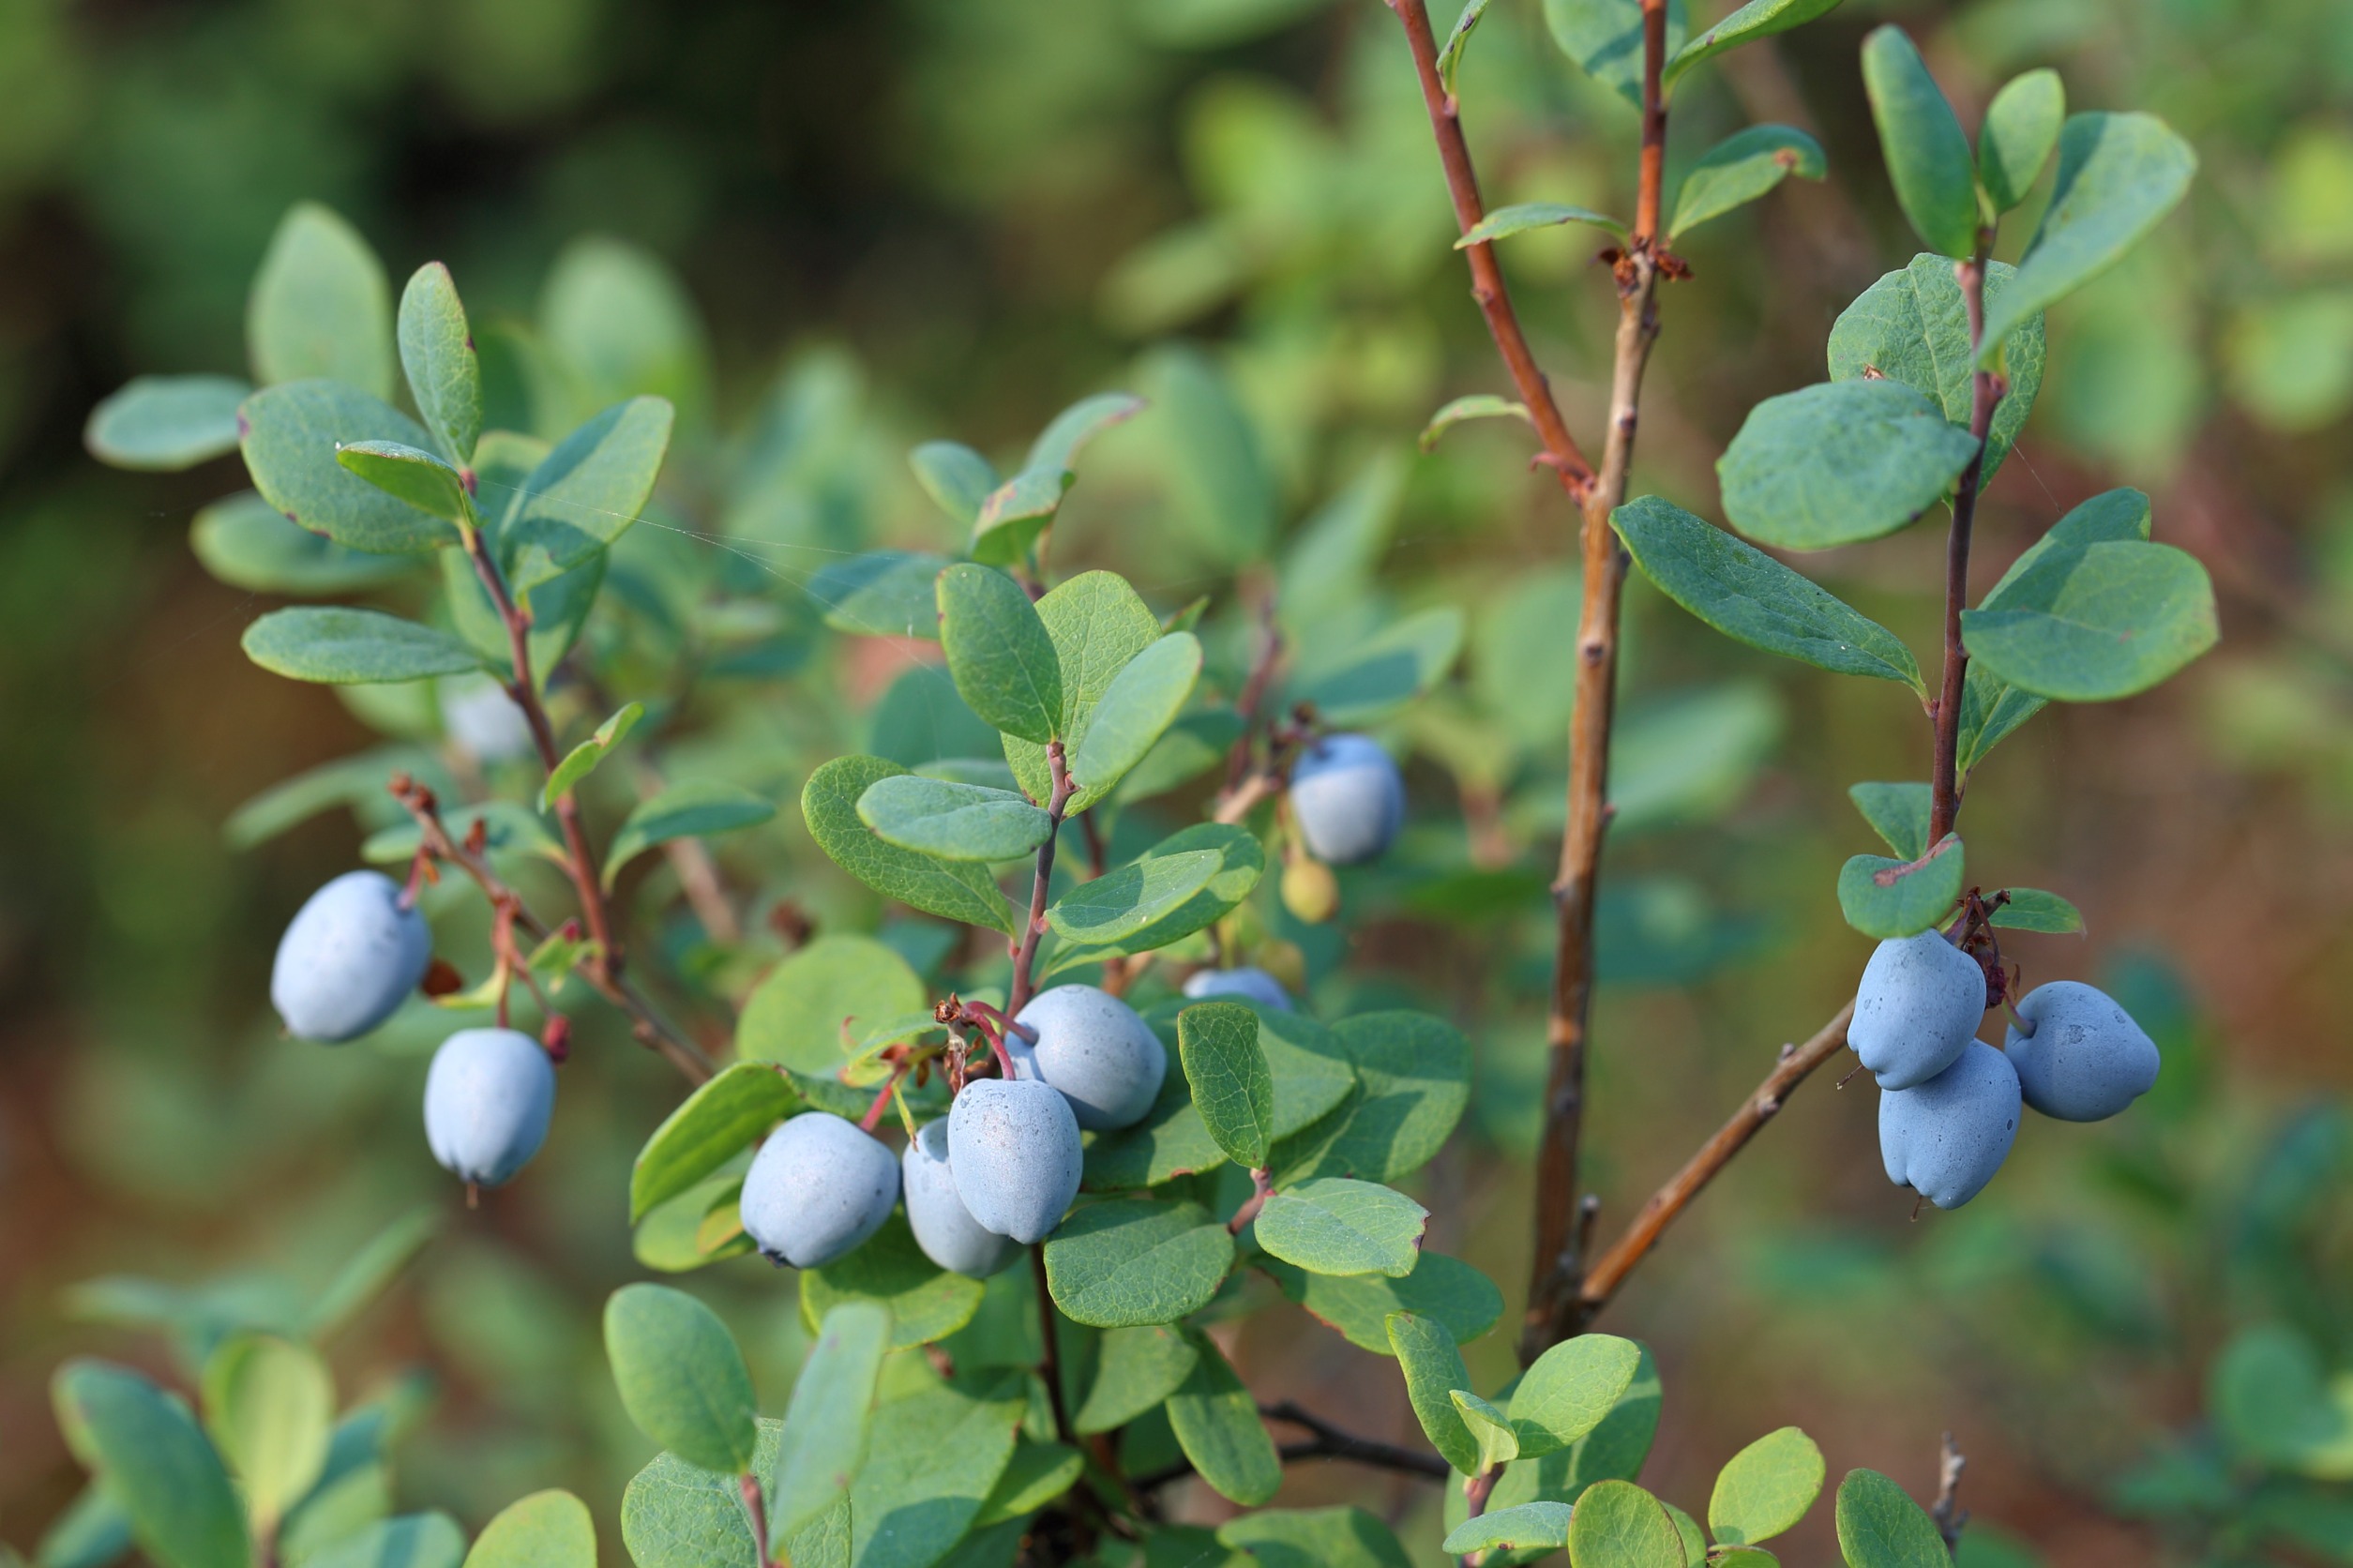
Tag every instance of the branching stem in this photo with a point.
(1329, 1442)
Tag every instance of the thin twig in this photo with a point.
(1609, 1270)
(1986, 392)
(1950, 1516)
(1487, 276)
(757, 1508)
(1050, 1366)
(1025, 952)
(1261, 1189)
(1555, 1272)
(1330, 1442)
(646, 1024)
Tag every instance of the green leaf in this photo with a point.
(693, 809)
(954, 822)
(1899, 813)
(2020, 129)
(437, 350)
(581, 760)
(246, 543)
(1990, 709)
(1839, 462)
(546, 1530)
(826, 1425)
(1477, 405)
(1694, 1540)
(1217, 1423)
(2096, 622)
(289, 435)
(269, 1404)
(587, 491)
(92, 1533)
(1912, 326)
(1232, 1086)
(1619, 1525)
(1414, 1081)
(1222, 487)
(1097, 624)
(352, 647)
(885, 592)
(1196, 743)
(1458, 38)
(154, 1462)
(953, 890)
(1335, 1226)
(621, 322)
(409, 1541)
(955, 477)
(1398, 664)
(1615, 1450)
(1037, 1474)
(409, 474)
(1744, 167)
(366, 1273)
(1010, 517)
(166, 423)
(1447, 1289)
(1314, 1538)
(1765, 1488)
(2275, 1404)
(1135, 1370)
(675, 1516)
(1499, 1445)
(1927, 156)
(1571, 1389)
(320, 305)
(1531, 1527)
(1756, 20)
(1889, 899)
(1115, 907)
(2030, 908)
(1753, 598)
(1752, 1556)
(1433, 1370)
(1002, 661)
(2119, 175)
(681, 1378)
(934, 1461)
(1606, 38)
(836, 986)
(1879, 1527)
(926, 1301)
(1129, 1261)
(1241, 860)
(1142, 702)
(1518, 219)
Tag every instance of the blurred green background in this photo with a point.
(950, 217)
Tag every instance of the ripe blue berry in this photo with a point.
(2087, 1058)
(1245, 982)
(1916, 1009)
(1013, 1150)
(488, 1097)
(1347, 798)
(1947, 1138)
(944, 1228)
(816, 1189)
(350, 956)
(1095, 1048)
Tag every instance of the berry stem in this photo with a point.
(1025, 955)
(1986, 393)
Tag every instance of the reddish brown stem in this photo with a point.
(756, 1507)
(645, 1023)
(1556, 1269)
(1050, 1366)
(579, 860)
(1260, 1188)
(1985, 395)
(1487, 276)
(1025, 953)
(1610, 1269)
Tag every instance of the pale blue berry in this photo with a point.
(816, 1189)
(488, 1097)
(1013, 1150)
(1245, 984)
(1347, 798)
(349, 958)
(1947, 1138)
(2087, 1058)
(944, 1228)
(1095, 1048)
(1918, 1007)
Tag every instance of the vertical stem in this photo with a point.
(1051, 1369)
(1555, 1308)
(579, 859)
(749, 1486)
(1025, 955)
(1986, 392)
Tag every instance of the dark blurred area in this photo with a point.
(953, 218)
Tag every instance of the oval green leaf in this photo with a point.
(2020, 129)
(1927, 155)
(2097, 622)
(1115, 907)
(269, 1404)
(1879, 1526)
(826, 1425)
(1217, 1423)
(1619, 1525)
(1217, 1043)
(437, 351)
(1333, 1226)
(1742, 168)
(954, 822)
(352, 647)
(1002, 661)
(154, 1463)
(546, 1530)
(409, 474)
(1890, 898)
(166, 423)
(1839, 462)
(1141, 701)
(681, 1378)
(289, 434)
(1571, 1389)
(1518, 219)
(320, 305)
(1531, 1527)
(1130, 1261)
(1912, 326)
(1765, 1488)
(953, 890)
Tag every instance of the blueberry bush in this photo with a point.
(1028, 1059)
